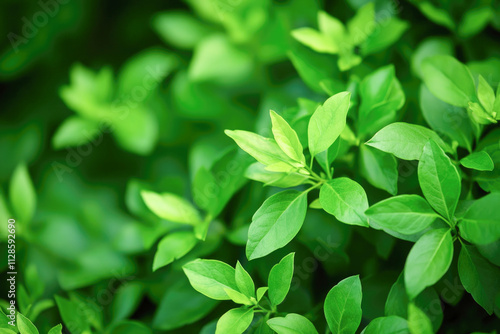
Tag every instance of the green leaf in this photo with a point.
(430, 47)
(405, 214)
(71, 315)
(172, 247)
(479, 161)
(258, 172)
(126, 300)
(381, 97)
(22, 195)
(238, 297)
(264, 150)
(474, 20)
(243, 280)
(449, 80)
(25, 326)
(418, 322)
(480, 223)
(346, 200)
(276, 223)
(56, 329)
(235, 321)
(179, 29)
(387, 325)
(75, 131)
(315, 40)
(446, 119)
(287, 138)
(280, 278)
(379, 168)
(181, 305)
(261, 291)
(292, 324)
(343, 306)
(171, 207)
(406, 141)
(129, 327)
(479, 277)
(386, 33)
(428, 261)
(485, 94)
(439, 180)
(211, 278)
(362, 24)
(333, 30)
(327, 122)
(437, 15)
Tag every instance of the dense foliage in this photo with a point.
(252, 166)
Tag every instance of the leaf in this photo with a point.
(485, 94)
(280, 278)
(379, 168)
(428, 261)
(479, 277)
(56, 329)
(418, 322)
(449, 80)
(172, 247)
(381, 97)
(343, 306)
(75, 131)
(446, 119)
(405, 214)
(480, 223)
(261, 291)
(258, 172)
(264, 150)
(179, 29)
(22, 195)
(431, 46)
(386, 33)
(243, 280)
(235, 321)
(346, 200)
(474, 20)
(332, 29)
(287, 138)
(181, 305)
(171, 207)
(479, 161)
(126, 300)
(25, 326)
(292, 324)
(387, 325)
(276, 223)
(327, 122)
(211, 278)
(406, 141)
(315, 40)
(362, 24)
(439, 180)
(70, 314)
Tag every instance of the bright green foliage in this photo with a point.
(279, 280)
(343, 306)
(291, 324)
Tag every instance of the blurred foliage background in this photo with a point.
(179, 73)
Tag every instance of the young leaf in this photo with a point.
(171, 207)
(280, 278)
(439, 180)
(333, 30)
(405, 214)
(25, 326)
(480, 223)
(70, 314)
(479, 277)
(449, 80)
(235, 321)
(418, 322)
(346, 200)
(379, 168)
(261, 291)
(479, 161)
(385, 34)
(173, 247)
(287, 138)
(264, 150)
(258, 172)
(485, 94)
(315, 40)
(22, 194)
(276, 223)
(292, 324)
(406, 141)
(56, 330)
(75, 131)
(238, 297)
(428, 261)
(211, 278)
(243, 280)
(387, 325)
(343, 306)
(327, 122)
(362, 24)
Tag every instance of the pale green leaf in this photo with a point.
(171, 207)
(235, 321)
(292, 324)
(287, 138)
(280, 278)
(22, 195)
(211, 278)
(343, 306)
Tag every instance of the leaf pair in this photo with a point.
(25, 326)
